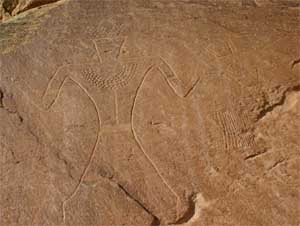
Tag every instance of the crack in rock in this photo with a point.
(277, 163)
(188, 215)
(15, 7)
(295, 62)
(8, 109)
(1, 98)
(282, 100)
(111, 180)
(9, 5)
(67, 165)
(256, 155)
(156, 221)
(196, 204)
(36, 4)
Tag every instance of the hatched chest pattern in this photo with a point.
(115, 81)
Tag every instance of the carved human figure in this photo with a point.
(112, 85)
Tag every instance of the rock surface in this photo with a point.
(149, 113)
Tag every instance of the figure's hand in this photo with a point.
(175, 83)
(48, 99)
(54, 87)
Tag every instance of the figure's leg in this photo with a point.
(164, 175)
(51, 94)
(91, 156)
(123, 164)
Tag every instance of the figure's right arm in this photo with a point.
(54, 86)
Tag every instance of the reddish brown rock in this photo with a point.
(149, 113)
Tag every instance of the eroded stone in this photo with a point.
(149, 113)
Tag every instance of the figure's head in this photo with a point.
(120, 48)
(109, 48)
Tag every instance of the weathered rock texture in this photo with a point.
(150, 113)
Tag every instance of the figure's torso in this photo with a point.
(114, 94)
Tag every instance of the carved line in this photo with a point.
(50, 81)
(116, 106)
(92, 154)
(59, 90)
(255, 51)
(58, 93)
(98, 54)
(230, 46)
(220, 121)
(203, 134)
(209, 52)
(236, 62)
(260, 50)
(118, 81)
(192, 87)
(270, 44)
(224, 27)
(232, 126)
(121, 46)
(52, 78)
(56, 74)
(119, 51)
(140, 144)
(169, 74)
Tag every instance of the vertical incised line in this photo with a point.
(116, 106)
(98, 54)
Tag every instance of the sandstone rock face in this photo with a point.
(149, 113)
(9, 8)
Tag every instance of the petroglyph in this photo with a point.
(100, 80)
(117, 81)
(234, 130)
(149, 112)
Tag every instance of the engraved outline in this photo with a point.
(184, 93)
(139, 143)
(92, 153)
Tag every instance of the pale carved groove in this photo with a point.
(234, 130)
(92, 153)
(119, 80)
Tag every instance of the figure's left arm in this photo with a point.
(175, 83)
